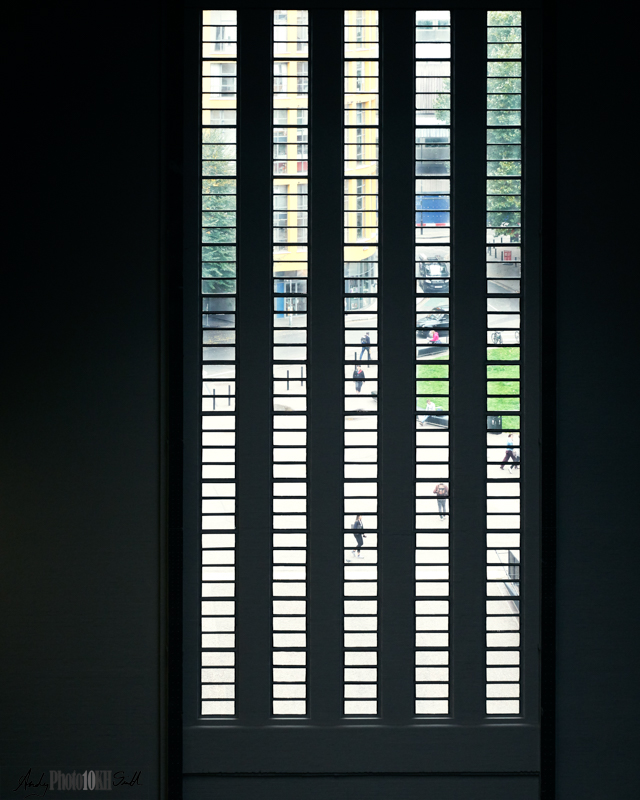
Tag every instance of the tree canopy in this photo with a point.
(218, 203)
(504, 94)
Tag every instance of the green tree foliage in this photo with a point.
(504, 87)
(438, 31)
(218, 203)
(442, 102)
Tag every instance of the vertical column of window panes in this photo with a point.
(504, 267)
(361, 104)
(290, 326)
(432, 275)
(218, 287)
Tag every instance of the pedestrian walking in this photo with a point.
(442, 492)
(357, 527)
(508, 452)
(365, 341)
(358, 377)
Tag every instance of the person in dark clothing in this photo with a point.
(358, 377)
(366, 342)
(509, 452)
(357, 527)
(442, 492)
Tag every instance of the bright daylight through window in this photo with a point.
(433, 273)
(368, 268)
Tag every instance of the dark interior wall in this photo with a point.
(82, 459)
(597, 542)
(81, 443)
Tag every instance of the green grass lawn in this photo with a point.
(501, 382)
(503, 354)
(503, 387)
(441, 402)
(511, 423)
(503, 404)
(432, 387)
(426, 371)
(503, 371)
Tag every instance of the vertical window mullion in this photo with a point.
(326, 374)
(254, 449)
(468, 370)
(397, 380)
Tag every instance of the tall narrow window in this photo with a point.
(299, 627)
(504, 267)
(218, 291)
(433, 272)
(290, 326)
(361, 403)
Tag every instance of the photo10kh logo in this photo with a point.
(39, 781)
(89, 780)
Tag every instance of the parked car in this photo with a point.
(434, 321)
(433, 272)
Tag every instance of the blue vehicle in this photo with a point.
(432, 209)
